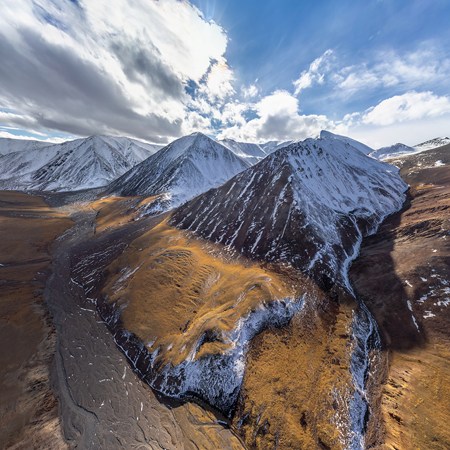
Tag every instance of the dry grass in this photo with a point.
(114, 212)
(175, 288)
(297, 380)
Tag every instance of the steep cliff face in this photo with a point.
(402, 275)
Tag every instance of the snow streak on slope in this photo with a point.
(73, 165)
(304, 205)
(183, 169)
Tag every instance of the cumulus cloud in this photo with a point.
(412, 117)
(109, 66)
(277, 118)
(409, 106)
(315, 73)
(218, 83)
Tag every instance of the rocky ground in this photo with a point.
(28, 408)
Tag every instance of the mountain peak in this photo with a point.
(328, 135)
(302, 205)
(183, 169)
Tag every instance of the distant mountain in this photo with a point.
(399, 150)
(73, 165)
(433, 143)
(8, 145)
(272, 146)
(253, 153)
(307, 204)
(392, 151)
(247, 151)
(183, 169)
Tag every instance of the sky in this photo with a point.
(254, 70)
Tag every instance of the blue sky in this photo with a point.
(251, 70)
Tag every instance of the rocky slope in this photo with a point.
(307, 204)
(180, 171)
(402, 275)
(73, 165)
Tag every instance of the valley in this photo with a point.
(281, 309)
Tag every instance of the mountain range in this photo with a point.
(73, 165)
(293, 291)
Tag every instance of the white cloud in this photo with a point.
(8, 135)
(315, 74)
(249, 91)
(423, 67)
(409, 106)
(277, 118)
(409, 118)
(218, 82)
(109, 66)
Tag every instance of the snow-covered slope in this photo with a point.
(433, 143)
(253, 153)
(247, 151)
(181, 170)
(8, 145)
(273, 146)
(392, 151)
(346, 140)
(399, 150)
(307, 204)
(73, 165)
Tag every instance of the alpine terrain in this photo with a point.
(225, 295)
(72, 165)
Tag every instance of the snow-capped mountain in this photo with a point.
(272, 146)
(363, 148)
(247, 151)
(400, 150)
(73, 165)
(308, 204)
(8, 145)
(181, 170)
(433, 143)
(392, 151)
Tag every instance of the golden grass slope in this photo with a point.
(174, 288)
